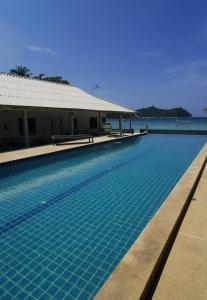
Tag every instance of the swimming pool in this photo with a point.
(67, 219)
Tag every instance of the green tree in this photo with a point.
(57, 79)
(40, 76)
(21, 71)
(205, 109)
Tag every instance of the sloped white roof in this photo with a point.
(19, 91)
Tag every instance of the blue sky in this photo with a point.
(142, 53)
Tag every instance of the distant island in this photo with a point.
(155, 112)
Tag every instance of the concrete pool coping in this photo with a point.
(17, 155)
(137, 274)
(184, 276)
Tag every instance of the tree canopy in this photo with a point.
(57, 79)
(25, 72)
(21, 71)
(40, 76)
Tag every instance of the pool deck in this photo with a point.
(185, 274)
(10, 156)
(169, 258)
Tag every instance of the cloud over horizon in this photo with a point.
(150, 53)
(41, 49)
(194, 72)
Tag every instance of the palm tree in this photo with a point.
(20, 71)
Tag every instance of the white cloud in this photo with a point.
(200, 39)
(196, 64)
(194, 73)
(41, 49)
(150, 53)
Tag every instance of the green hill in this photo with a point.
(156, 112)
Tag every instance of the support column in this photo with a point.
(130, 124)
(99, 122)
(26, 130)
(120, 121)
(72, 122)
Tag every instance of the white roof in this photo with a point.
(20, 91)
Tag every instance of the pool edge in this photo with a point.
(57, 151)
(136, 275)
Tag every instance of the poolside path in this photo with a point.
(42, 150)
(185, 273)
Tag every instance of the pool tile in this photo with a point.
(67, 221)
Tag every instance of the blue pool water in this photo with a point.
(67, 219)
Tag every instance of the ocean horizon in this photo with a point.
(185, 123)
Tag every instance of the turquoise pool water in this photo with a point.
(68, 219)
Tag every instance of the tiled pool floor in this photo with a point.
(66, 221)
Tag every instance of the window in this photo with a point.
(75, 123)
(31, 126)
(21, 127)
(75, 126)
(103, 119)
(93, 123)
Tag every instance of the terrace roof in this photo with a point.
(25, 92)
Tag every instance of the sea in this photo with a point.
(193, 123)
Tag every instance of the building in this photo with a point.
(32, 110)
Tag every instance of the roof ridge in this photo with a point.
(36, 79)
